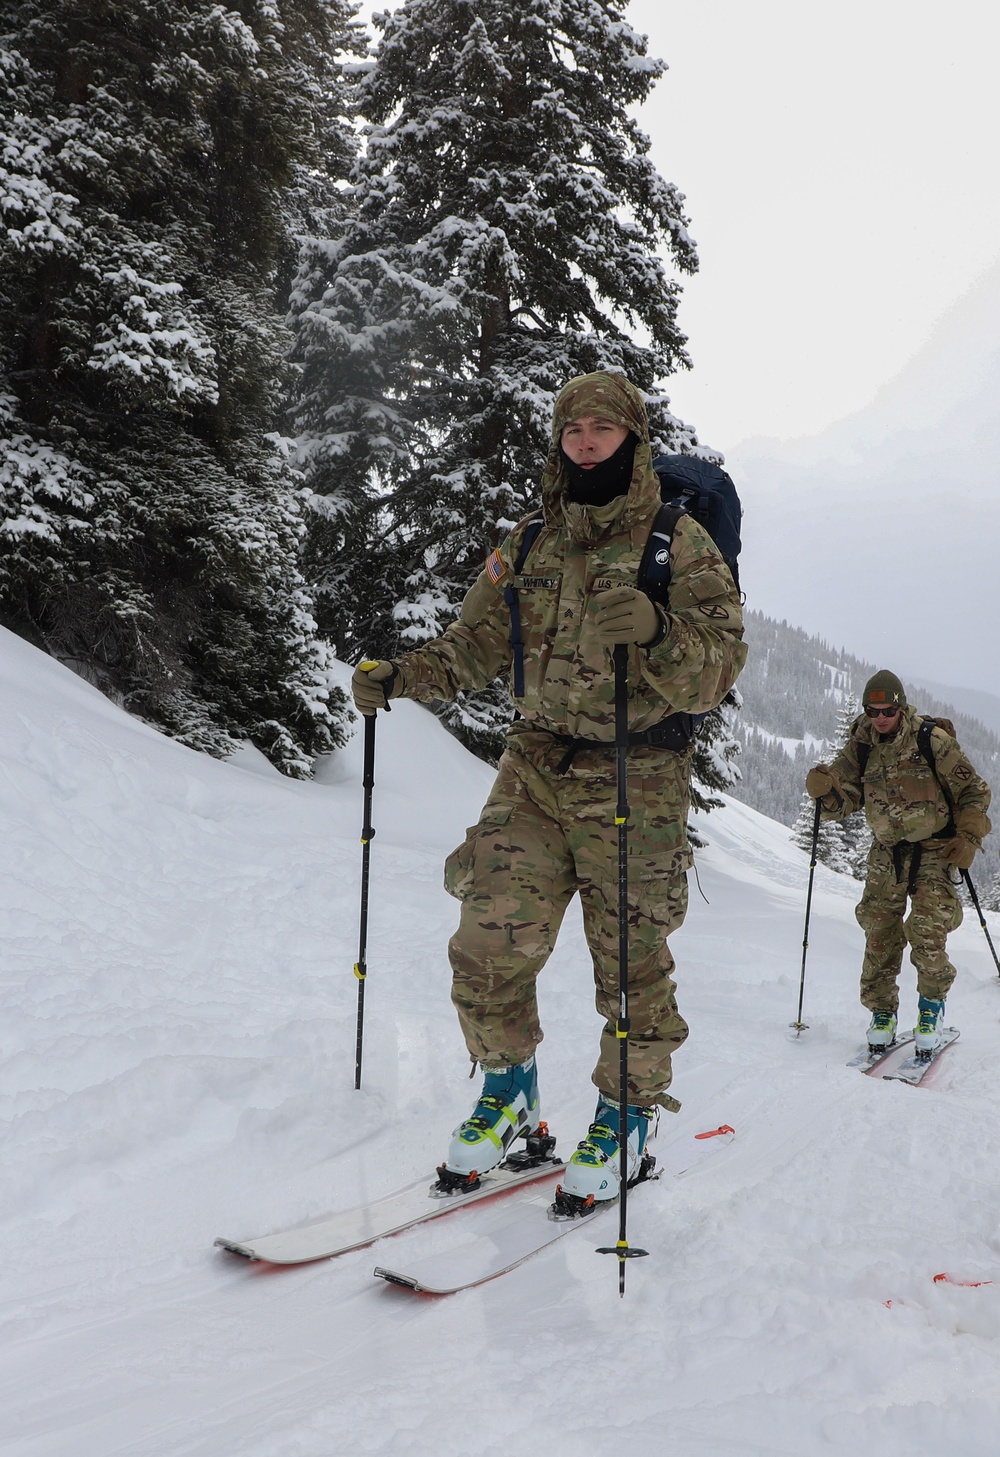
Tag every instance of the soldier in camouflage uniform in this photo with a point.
(547, 831)
(927, 824)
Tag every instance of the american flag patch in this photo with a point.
(496, 567)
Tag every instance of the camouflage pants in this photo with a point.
(541, 838)
(934, 911)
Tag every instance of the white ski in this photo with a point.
(914, 1068)
(868, 1060)
(509, 1234)
(413, 1204)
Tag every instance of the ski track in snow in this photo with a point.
(177, 1062)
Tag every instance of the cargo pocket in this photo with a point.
(661, 887)
(659, 853)
(478, 854)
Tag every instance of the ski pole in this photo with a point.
(621, 1249)
(367, 835)
(982, 919)
(798, 1024)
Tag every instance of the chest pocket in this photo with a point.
(917, 783)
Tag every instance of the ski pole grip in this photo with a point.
(368, 779)
(368, 665)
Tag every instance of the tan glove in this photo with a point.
(819, 782)
(373, 684)
(974, 823)
(624, 615)
(960, 851)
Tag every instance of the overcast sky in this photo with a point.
(840, 166)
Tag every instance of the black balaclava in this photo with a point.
(602, 482)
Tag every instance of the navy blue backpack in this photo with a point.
(698, 488)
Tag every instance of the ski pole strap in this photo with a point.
(673, 733)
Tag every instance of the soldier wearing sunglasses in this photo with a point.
(927, 812)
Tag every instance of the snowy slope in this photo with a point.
(177, 1062)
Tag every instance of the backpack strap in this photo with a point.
(510, 596)
(654, 568)
(864, 753)
(927, 727)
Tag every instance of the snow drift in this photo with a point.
(177, 1062)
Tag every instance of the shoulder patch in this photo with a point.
(496, 567)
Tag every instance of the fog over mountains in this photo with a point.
(882, 533)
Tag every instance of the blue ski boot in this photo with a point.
(507, 1106)
(593, 1173)
(930, 1020)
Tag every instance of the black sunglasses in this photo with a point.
(882, 712)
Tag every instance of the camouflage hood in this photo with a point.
(614, 398)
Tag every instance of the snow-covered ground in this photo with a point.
(178, 1062)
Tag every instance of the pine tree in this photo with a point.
(856, 833)
(504, 236)
(831, 847)
(990, 899)
(150, 519)
(713, 766)
(846, 716)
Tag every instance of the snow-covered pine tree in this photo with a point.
(990, 899)
(150, 522)
(846, 715)
(713, 766)
(505, 235)
(831, 848)
(856, 834)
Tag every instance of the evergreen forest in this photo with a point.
(284, 306)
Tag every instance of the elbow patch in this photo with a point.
(479, 601)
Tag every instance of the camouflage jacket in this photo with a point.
(902, 798)
(580, 551)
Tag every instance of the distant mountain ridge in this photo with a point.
(978, 705)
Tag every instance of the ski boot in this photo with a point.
(507, 1107)
(930, 1020)
(882, 1031)
(593, 1173)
